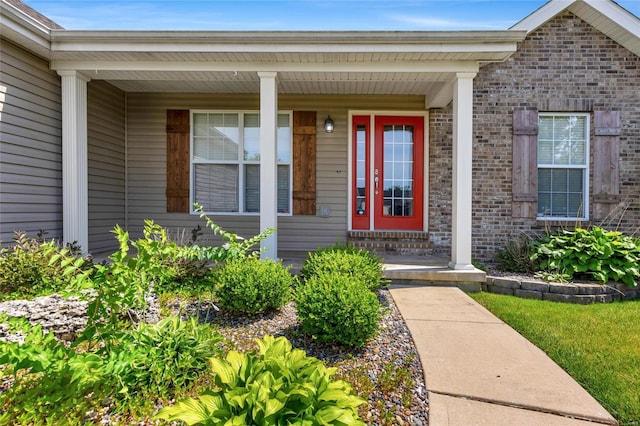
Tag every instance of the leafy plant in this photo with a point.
(234, 247)
(516, 255)
(605, 255)
(334, 307)
(26, 268)
(359, 264)
(276, 386)
(159, 358)
(252, 285)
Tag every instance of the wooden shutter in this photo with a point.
(178, 161)
(606, 169)
(304, 162)
(525, 163)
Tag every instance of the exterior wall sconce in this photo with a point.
(328, 125)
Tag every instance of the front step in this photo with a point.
(392, 242)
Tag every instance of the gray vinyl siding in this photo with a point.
(147, 163)
(30, 145)
(106, 152)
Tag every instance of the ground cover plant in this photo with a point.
(598, 345)
(27, 269)
(595, 254)
(123, 370)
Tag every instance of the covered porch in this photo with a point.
(273, 68)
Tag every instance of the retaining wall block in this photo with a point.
(566, 289)
(506, 283)
(535, 286)
(528, 294)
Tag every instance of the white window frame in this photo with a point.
(585, 168)
(240, 162)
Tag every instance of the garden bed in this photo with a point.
(583, 293)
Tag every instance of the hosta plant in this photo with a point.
(604, 255)
(276, 386)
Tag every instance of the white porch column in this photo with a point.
(75, 193)
(462, 171)
(268, 162)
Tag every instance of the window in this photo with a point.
(226, 161)
(563, 166)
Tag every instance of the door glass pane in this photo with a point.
(398, 171)
(361, 167)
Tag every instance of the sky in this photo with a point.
(288, 15)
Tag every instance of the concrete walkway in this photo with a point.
(479, 371)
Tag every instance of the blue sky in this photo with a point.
(291, 15)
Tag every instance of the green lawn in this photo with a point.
(599, 345)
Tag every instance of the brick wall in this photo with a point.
(565, 66)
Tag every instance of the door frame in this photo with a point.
(372, 116)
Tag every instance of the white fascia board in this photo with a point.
(542, 15)
(286, 42)
(269, 38)
(440, 95)
(396, 67)
(616, 13)
(24, 30)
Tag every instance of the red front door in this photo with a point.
(393, 188)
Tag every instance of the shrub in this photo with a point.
(60, 384)
(516, 255)
(277, 386)
(252, 285)
(356, 263)
(162, 357)
(26, 268)
(605, 255)
(336, 308)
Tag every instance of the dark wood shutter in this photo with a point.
(178, 161)
(525, 163)
(606, 164)
(304, 162)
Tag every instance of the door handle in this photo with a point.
(375, 180)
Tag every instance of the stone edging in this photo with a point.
(582, 293)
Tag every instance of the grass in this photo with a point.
(598, 345)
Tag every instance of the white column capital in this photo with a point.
(73, 73)
(267, 74)
(466, 75)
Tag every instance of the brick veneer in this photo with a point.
(565, 66)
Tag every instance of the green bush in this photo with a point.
(356, 263)
(162, 357)
(516, 255)
(252, 285)
(60, 383)
(277, 386)
(604, 255)
(27, 269)
(334, 307)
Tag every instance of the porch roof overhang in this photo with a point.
(348, 62)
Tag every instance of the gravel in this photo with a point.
(387, 371)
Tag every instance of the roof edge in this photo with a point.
(289, 37)
(24, 30)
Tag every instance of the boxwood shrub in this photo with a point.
(359, 264)
(251, 285)
(336, 308)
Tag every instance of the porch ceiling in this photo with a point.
(401, 63)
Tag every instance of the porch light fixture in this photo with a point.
(328, 125)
